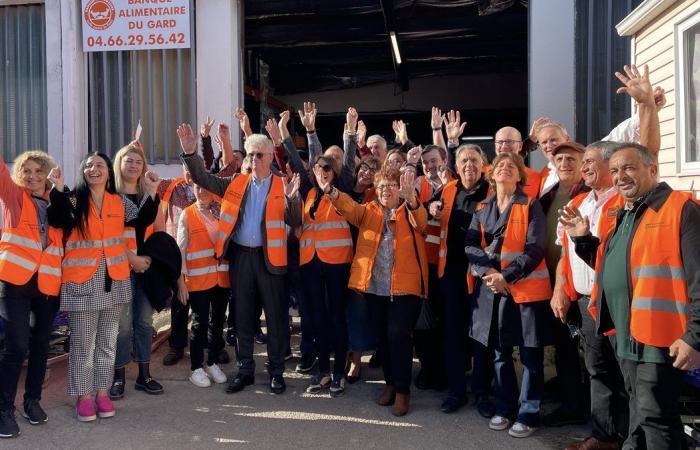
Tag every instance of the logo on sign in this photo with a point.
(99, 14)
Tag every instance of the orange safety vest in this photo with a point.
(275, 228)
(204, 271)
(606, 222)
(370, 194)
(408, 267)
(426, 189)
(544, 173)
(327, 235)
(21, 253)
(533, 186)
(659, 291)
(536, 285)
(130, 236)
(104, 234)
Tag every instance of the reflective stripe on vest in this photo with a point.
(327, 235)
(536, 285)
(275, 229)
(203, 270)
(21, 253)
(104, 235)
(660, 302)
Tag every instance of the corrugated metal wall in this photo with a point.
(23, 117)
(156, 87)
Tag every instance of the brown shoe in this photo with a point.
(401, 404)
(387, 397)
(593, 444)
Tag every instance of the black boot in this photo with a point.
(145, 383)
(116, 392)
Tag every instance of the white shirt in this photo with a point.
(551, 180)
(583, 275)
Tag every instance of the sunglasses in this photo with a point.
(257, 155)
(326, 168)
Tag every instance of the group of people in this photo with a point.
(433, 250)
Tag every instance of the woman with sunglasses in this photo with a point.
(390, 267)
(325, 253)
(96, 280)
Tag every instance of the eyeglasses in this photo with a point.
(326, 168)
(258, 155)
(367, 168)
(384, 187)
(505, 142)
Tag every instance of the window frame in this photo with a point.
(682, 23)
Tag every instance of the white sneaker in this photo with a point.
(499, 423)
(216, 374)
(199, 378)
(520, 430)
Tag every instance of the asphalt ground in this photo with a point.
(188, 417)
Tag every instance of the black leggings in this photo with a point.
(394, 319)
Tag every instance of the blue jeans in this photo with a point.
(135, 326)
(531, 388)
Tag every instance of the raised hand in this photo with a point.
(205, 128)
(453, 127)
(413, 155)
(574, 224)
(319, 173)
(351, 120)
(435, 209)
(223, 133)
(444, 174)
(659, 97)
(274, 132)
(637, 85)
(400, 130)
(244, 121)
(361, 134)
(188, 141)
(436, 118)
(291, 185)
(56, 178)
(282, 125)
(308, 116)
(536, 125)
(407, 186)
(136, 144)
(151, 180)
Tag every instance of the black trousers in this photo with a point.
(208, 313)
(429, 342)
(326, 294)
(16, 305)
(609, 400)
(252, 283)
(394, 319)
(654, 391)
(567, 361)
(454, 291)
(179, 317)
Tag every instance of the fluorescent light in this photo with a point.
(395, 47)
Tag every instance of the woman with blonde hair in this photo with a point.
(30, 280)
(135, 336)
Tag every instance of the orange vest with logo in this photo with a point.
(326, 235)
(104, 235)
(204, 271)
(275, 228)
(21, 253)
(659, 303)
(536, 285)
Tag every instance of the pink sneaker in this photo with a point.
(105, 407)
(85, 410)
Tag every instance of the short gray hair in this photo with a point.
(643, 152)
(464, 147)
(258, 141)
(606, 148)
(552, 124)
(378, 138)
